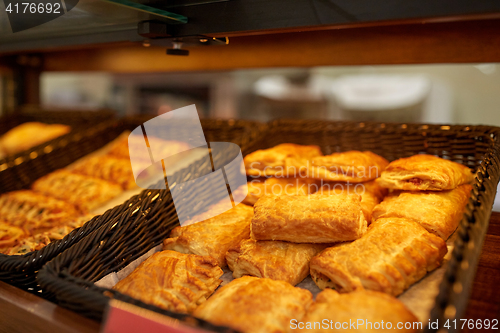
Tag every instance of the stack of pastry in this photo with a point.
(328, 216)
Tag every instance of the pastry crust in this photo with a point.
(9, 236)
(425, 172)
(173, 281)
(371, 194)
(276, 161)
(391, 256)
(309, 219)
(213, 237)
(275, 260)
(29, 135)
(120, 148)
(34, 212)
(438, 212)
(257, 188)
(251, 304)
(351, 166)
(371, 307)
(113, 169)
(84, 192)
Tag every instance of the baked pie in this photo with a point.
(279, 186)
(173, 281)
(425, 172)
(113, 169)
(275, 260)
(438, 212)
(251, 304)
(315, 218)
(390, 257)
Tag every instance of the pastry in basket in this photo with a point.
(29, 135)
(425, 172)
(39, 241)
(438, 212)
(279, 186)
(213, 237)
(391, 256)
(9, 236)
(275, 260)
(34, 212)
(351, 166)
(173, 281)
(315, 218)
(276, 161)
(362, 311)
(113, 169)
(371, 194)
(251, 304)
(86, 193)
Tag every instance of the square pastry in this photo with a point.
(251, 304)
(260, 187)
(439, 212)
(173, 281)
(425, 172)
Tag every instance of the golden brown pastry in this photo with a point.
(391, 256)
(29, 135)
(279, 186)
(351, 166)
(371, 194)
(213, 237)
(275, 260)
(10, 236)
(251, 304)
(438, 212)
(276, 161)
(425, 172)
(84, 192)
(34, 212)
(173, 281)
(113, 169)
(309, 219)
(366, 309)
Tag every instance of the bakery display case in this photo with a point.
(151, 57)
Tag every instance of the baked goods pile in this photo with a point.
(28, 135)
(363, 228)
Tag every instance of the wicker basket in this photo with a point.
(20, 270)
(69, 277)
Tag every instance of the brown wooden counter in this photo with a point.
(24, 312)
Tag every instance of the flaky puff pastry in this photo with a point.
(173, 281)
(365, 308)
(351, 166)
(438, 212)
(371, 194)
(276, 161)
(391, 256)
(425, 172)
(213, 237)
(275, 260)
(309, 219)
(251, 304)
(257, 188)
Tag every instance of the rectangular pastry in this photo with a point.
(34, 212)
(279, 186)
(365, 308)
(84, 192)
(212, 237)
(251, 304)
(113, 169)
(173, 281)
(351, 166)
(275, 161)
(309, 219)
(425, 172)
(275, 260)
(438, 212)
(371, 194)
(391, 256)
